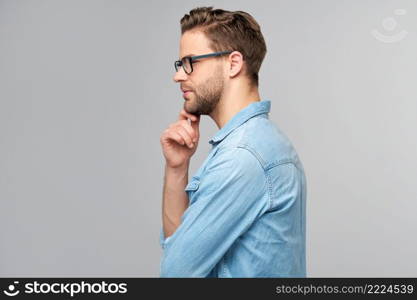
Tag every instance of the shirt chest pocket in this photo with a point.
(191, 188)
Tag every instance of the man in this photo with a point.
(243, 213)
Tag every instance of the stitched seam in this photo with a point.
(282, 162)
(259, 159)
(296, 169)
(224, 265)
(254, 153)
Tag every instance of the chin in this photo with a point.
(188, 107)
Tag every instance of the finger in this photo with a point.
(184, 134)
(185, 116)
(190, 130)
(172, 135)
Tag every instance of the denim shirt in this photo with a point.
(247, 206)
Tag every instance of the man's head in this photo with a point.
(206, 31)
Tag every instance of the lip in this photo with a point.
(186, 95)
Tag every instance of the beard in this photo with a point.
(206, 95)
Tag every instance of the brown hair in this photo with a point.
(230, 30)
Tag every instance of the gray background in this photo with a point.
(86, 90)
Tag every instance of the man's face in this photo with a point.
(205, 84)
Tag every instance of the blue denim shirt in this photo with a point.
(247, 206)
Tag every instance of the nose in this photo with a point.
(180, 75)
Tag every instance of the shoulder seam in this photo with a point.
(260, 161)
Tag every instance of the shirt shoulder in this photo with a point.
(233, 158)
(265, 141)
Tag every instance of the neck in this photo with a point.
(234, 98)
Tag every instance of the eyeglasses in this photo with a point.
(187, 61)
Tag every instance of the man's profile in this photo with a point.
(242, 214)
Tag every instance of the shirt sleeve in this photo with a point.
(230, 196)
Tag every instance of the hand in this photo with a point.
(179, 141)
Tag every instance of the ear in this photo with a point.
(235, 63)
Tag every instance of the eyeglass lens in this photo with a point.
(185, 62)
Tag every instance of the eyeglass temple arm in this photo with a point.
(211, 54)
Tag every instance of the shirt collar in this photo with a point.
(250, 111)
